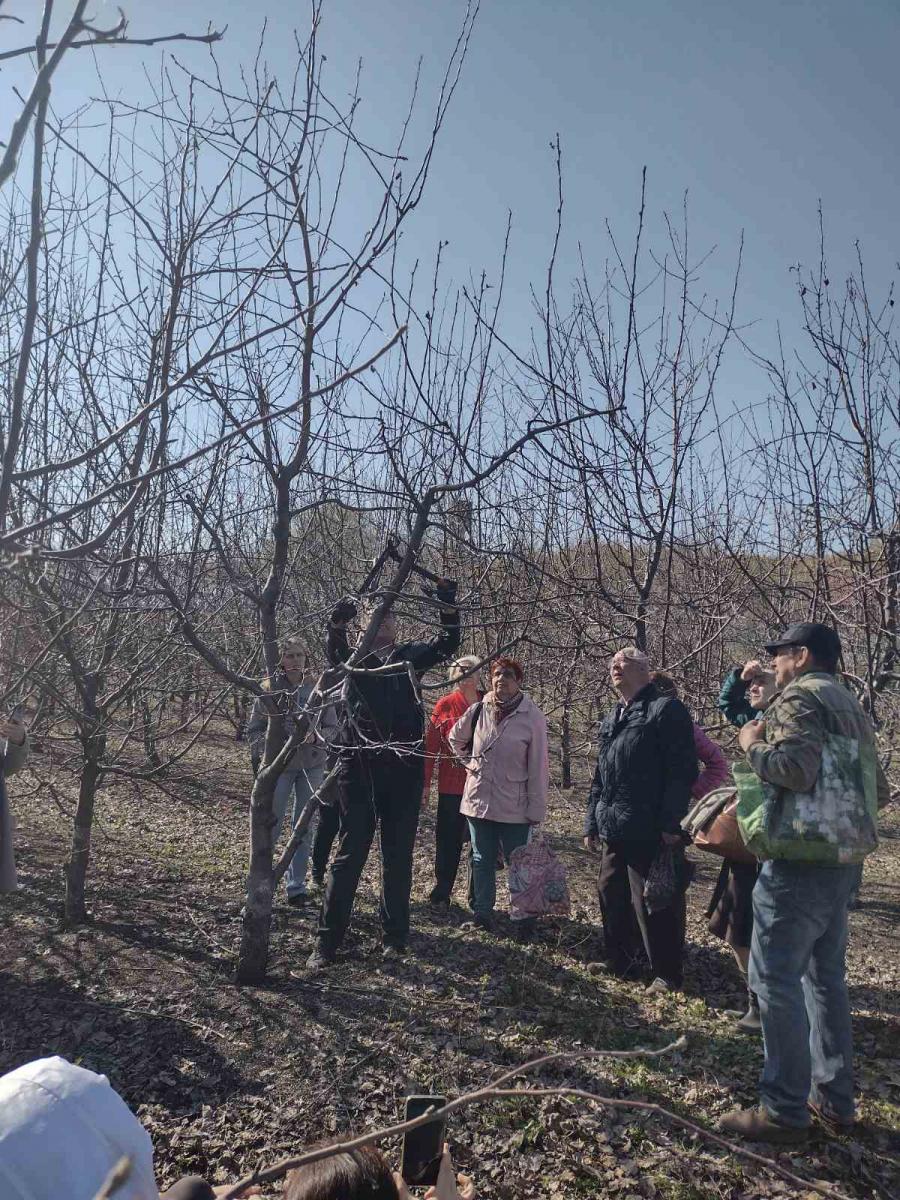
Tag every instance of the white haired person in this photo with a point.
(62, 1131)
(452, 828)
(14, 736)
(293, 689)
(640, 793)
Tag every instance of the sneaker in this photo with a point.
(660, 986)
(392, 953)
(832, 1122)
(758, 1125)
(320, 959)
(298, 900)
(439, 908)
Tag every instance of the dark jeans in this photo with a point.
(626, 921)
(379, 789)
(487, 839)
(798, 972)
(451, 832)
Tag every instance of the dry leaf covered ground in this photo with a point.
(225, 1077)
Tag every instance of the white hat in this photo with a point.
(62, 1129)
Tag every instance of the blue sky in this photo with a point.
(756, 111)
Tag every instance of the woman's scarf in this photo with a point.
(503, 708)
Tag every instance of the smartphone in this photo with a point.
(423, 1146)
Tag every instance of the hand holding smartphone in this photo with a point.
(424, 1145)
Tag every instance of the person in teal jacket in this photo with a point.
(745, 692)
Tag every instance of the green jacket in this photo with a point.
(797, 721)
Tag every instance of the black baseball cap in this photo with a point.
(820, 639)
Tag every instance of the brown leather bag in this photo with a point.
(723, 837)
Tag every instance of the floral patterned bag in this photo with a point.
(537, 882)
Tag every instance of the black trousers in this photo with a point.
(627, 923)
(450, 835)
(379, 790)
(327, 825)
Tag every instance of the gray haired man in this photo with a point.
(646, 764)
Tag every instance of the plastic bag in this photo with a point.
(537, 883)
(661, 883)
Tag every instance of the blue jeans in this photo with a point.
(798, 972)
(487, 836)
(300, 784)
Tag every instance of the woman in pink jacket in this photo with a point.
(715, 771)
(502, 741)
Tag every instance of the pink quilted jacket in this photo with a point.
(715, 772)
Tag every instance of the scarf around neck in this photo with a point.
(503, 708)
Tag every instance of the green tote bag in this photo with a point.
(833, 823)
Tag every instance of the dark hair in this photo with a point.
(665, 684)
(351, 1175)
(508, 664)
(825, 659)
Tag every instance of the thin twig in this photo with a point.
(118, 1175)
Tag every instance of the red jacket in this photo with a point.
(451, 774)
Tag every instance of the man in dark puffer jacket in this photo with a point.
(382, 768)
(641, 791)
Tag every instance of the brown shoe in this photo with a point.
(832, 1122)
(757, 1125)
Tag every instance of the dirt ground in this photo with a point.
(224, 1077)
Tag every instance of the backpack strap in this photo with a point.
(476, 717)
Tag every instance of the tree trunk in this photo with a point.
(187, 691)
(253, 956)
(565, 742)
(76, 868)
(149, 734)
(240, 707)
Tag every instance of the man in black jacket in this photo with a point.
(641, 790)
(382, 769)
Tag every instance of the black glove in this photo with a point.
(343, 611)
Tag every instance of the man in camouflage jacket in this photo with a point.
(797, 957)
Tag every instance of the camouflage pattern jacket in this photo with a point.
(796, 725)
